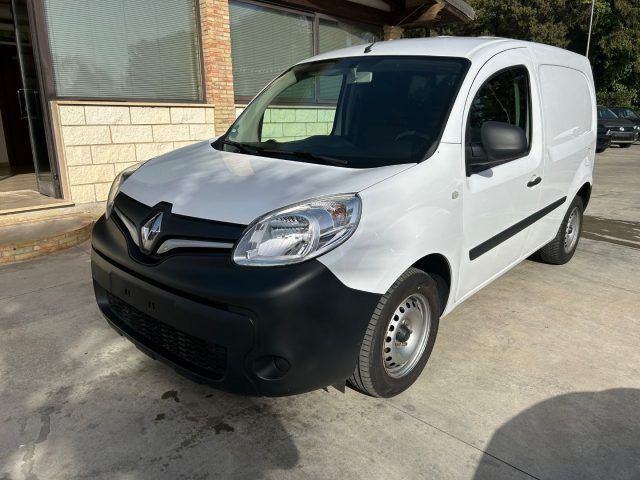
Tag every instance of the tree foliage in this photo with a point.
(615, 42)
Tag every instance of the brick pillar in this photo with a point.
(218, 69)
(392, 32)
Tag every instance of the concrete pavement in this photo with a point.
(536, 376)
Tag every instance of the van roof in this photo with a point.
(472, 48)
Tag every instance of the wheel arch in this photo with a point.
(437, 265)
(585, 194)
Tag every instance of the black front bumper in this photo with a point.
(604, 141)
(623, 137)
(260, 331)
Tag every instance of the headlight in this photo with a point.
(117, 183)
(299, 232)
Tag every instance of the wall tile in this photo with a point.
(102, 191)
(85, 174)
(71, 115)
(131, 133)
(78, 155)
(145, 151)
(150, 115)
(106, 115)
(170, 133)
(83, 193)
(201, 132)
(85, 135)
(187, 115)
(113, 153)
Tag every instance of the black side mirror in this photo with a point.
(501, 143)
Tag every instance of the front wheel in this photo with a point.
(625, 145)
(400, 336)
(560, 250)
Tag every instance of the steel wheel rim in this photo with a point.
(406, 335)
(572, 231)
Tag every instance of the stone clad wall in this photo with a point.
(285, 124)
(98, 141)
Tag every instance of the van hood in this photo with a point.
(200, 181)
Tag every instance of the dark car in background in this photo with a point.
(623, 132)
(629, 114)
(604, 139)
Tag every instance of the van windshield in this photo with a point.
(360, 112)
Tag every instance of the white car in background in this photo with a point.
(358, 199)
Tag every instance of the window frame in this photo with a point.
(467, 137)
(52, 94)
(315, 34)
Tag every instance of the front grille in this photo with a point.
(195, 354)
(623, 136)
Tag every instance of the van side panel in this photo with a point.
(568, 106)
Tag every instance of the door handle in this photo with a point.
(22, 103)
(534, 181)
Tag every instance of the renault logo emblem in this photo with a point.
(150, 231)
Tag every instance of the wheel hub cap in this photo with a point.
(406, 335)
(572, 231)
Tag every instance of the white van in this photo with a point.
(359, 198)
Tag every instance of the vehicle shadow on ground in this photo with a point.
(583, 435)
(93, 406)
(188, 432)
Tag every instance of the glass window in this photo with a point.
(144, 49)
(264, 42)
(382, 111)
(503, 98)
(334, 35)
(606, 114)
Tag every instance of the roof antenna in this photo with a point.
(368, 47)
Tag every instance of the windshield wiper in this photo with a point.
(272, 151)
(241, 146)
(318, 158)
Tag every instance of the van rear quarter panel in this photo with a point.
(569, 123)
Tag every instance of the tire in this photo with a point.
(406, 301)
(625, 145)
(561, 249)
(600, 150)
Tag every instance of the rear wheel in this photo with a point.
(560, 250)
(625, 145)
(400, 336)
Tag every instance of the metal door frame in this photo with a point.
(37, 33)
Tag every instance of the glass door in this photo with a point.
(30, 101)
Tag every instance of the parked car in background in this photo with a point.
(416, 172)
(623, 132)
(629, 114)
(604, 139)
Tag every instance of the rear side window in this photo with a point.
(567, 104)
(505, 97)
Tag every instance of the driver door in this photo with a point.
(499, 201)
